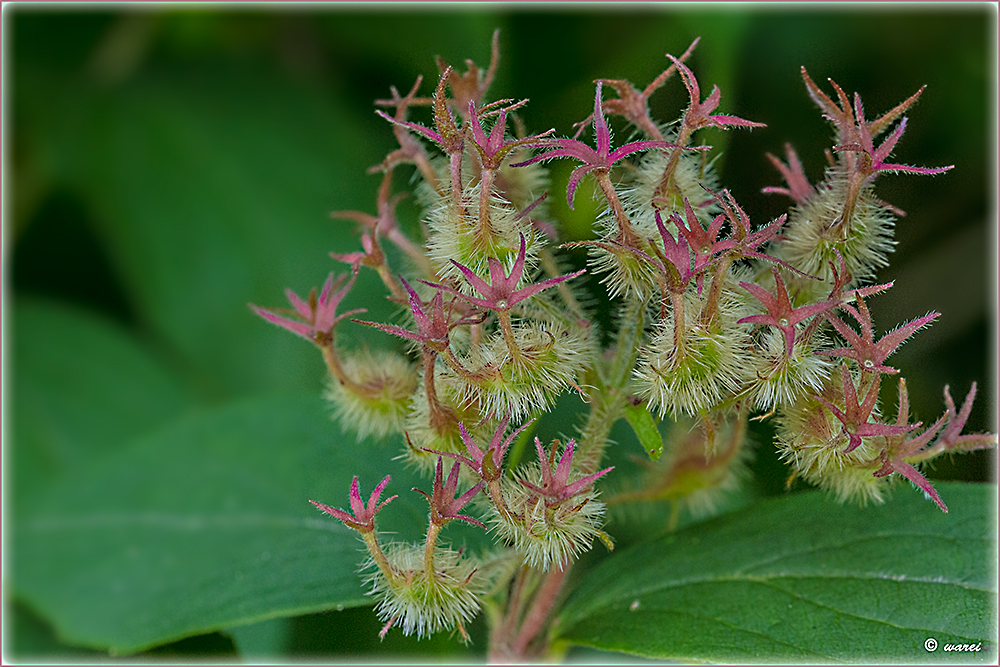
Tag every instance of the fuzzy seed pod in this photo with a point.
(815, 230)
(461, 238)
(780, 379)
(811, 439)
(624, 272)
(423, 433)
(388, 382)
(519, 384)
(422, 604)
(547, 535)
(690, 179)
(708, 365)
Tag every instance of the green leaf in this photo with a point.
(82, 386)
(206, 525)
(802, 579)
(264, 639)
(211, 189)
(645, 429)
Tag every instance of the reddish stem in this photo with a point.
(542, 605)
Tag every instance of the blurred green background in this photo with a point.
(166, 166)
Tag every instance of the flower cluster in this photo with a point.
(718, 317)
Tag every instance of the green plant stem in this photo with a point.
(496, 497)
(626, 235)
(663, 187)
(680, 327)
(508, 334)
(375, 549)
(430, 544)
(607, 406)
(500, 638)
(390, 281)
(711, 309)
(456, 365)
(609, 401)
(438, 413)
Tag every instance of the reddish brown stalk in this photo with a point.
(626, 235)
(337, 370)
(711, 308)
(441, 416)
(485, 228)
(542, 605)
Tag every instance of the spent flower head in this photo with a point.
(862, 347)
(951, 438)
(433, 324)
(744, 242)
(747, 319)
(799, 187)
(705, 243)
(600, 159)
(780, 312)
(900, 453)
(472, 86)
(487, 463)
(555, 486)
(855, 416)
(634, 105)
(446, 133)
(494, 148)
(899, 448)
(876, 157)
(312, 318)
(699, 114)
(444, 505)
(362, 517)
(371, 254)
(501, 293)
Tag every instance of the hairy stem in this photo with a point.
(337, 370)
(439, 414)
(626, 235)
(375, 549)
(430, 543)
(484, 231)
(508, 334)
(609, 401)
(456, 183)
(542, 605)
(711, 308)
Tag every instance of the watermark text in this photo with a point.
(932, 645)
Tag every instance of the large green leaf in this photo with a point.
(81, 386)
(206, 525)
(212, 188)
(802, 579)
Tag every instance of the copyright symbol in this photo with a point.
(930, 644)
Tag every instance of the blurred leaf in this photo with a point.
(206, 525)
(82, 387)
(262, 640)
(801, 579)
(28, 637)
(346, 635)
(212, 189)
